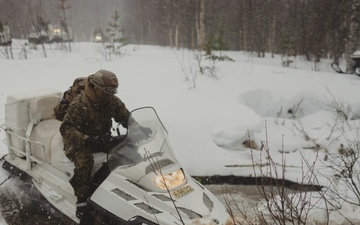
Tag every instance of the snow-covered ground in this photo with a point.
(294, 113)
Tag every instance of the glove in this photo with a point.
(100, 141)
(115, 140)
(142, 133)
(147, 131)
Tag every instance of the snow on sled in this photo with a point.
(355, 57)
(139, 182)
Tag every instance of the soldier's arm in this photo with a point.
(121, 113)
(70, 128)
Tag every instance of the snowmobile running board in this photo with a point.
(16, 171)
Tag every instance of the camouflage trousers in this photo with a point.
(84, 162)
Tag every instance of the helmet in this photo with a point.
(106, 81)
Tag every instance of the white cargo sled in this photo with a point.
(139, 182)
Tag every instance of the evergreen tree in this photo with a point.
(117, 41)
(214, 46)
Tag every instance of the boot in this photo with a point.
(81, 209)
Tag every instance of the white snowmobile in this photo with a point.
(139, 182)
(356, 67)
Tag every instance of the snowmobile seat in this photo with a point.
(47, 142)
(62, 163)
(41, 137)
(42, 126)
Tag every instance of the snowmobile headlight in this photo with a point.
(170, 181)
(56, 31)
(98, 38)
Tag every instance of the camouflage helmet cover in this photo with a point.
(105, 80)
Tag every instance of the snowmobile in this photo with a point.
(355, 57)
(139, 181)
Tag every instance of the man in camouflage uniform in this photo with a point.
(86, 128)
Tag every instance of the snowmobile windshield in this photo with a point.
(145, 148)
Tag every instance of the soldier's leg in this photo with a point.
(84, 162)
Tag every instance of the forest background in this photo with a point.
(315, 29)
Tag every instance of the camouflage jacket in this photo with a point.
(85, 118)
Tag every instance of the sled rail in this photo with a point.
(29, 145)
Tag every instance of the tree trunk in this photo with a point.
(170, 32)
(66, 27)
(272, 35)
(200, 23)
(142, 22)
(177, 36)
